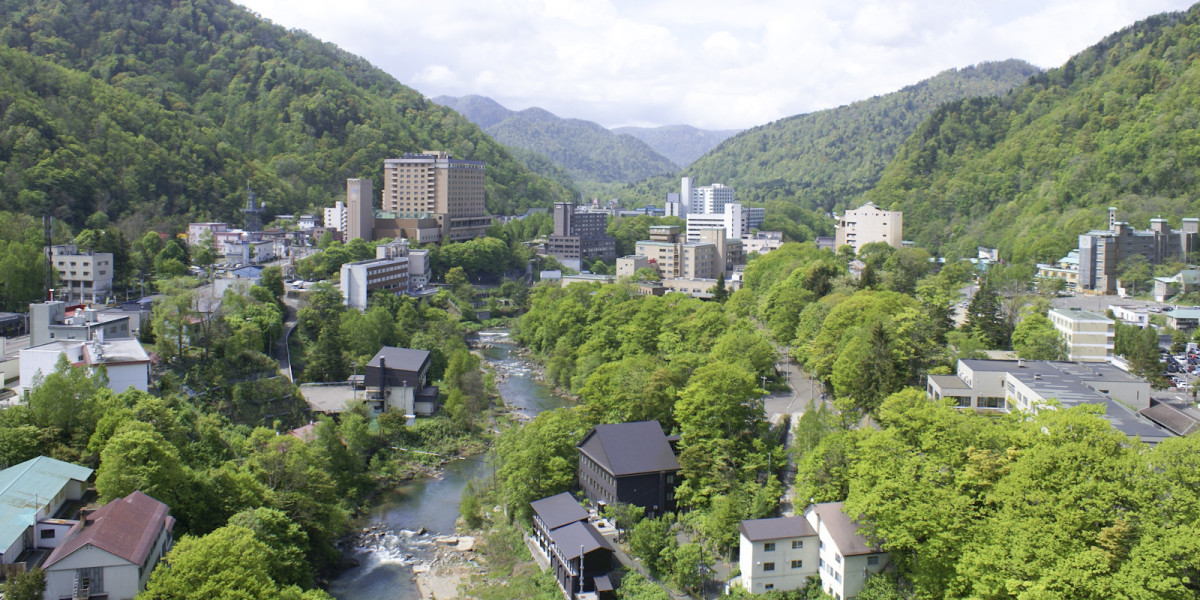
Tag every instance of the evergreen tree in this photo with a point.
(985, 319)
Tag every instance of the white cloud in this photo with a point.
(708, 63)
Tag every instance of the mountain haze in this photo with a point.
(683, 144)
(831, 157)
(586, 150)
(1117, 125)
(162, 111)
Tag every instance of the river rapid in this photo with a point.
(388, 556)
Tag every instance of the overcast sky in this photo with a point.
(715, 64)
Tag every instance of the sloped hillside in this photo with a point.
(1028, 171)
(683, 144)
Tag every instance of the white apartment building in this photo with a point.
(732, 219)
(336, 217)
(868, 224)
(781, 553)
(1090, 337)
(84, 274)
(360, 279)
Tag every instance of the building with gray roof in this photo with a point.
(576, 552)
(631, 463)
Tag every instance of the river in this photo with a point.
(385, 570)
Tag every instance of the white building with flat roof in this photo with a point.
(1090, 336)
(868, 224)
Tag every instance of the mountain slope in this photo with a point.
(1027, 172)
(683, 144)
(584, 149)
(291, 114)
(831, 157)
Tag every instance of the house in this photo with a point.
(1183, 319)
(562, 532)
(1183, 282)
(110, 553)
(395, 379)
(31, 495)
(776, 554)
(630, 463)
(782, 553)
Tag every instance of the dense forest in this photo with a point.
(1030, 170)
(164, 111)
(828, 158)
(683, 144)
(586, 150)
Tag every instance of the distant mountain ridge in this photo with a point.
(831, 157)
(683, 144)
(586, 150)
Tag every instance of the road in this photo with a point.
(281, 346)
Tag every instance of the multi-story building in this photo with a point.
(1101, 252)
(419, 269)
(579, 236)
(197, 232)
(1003, 386)
(32, 499)
(437, 185)
(782, 553)
(56, 321)
(631, 463)
(1066, 269)
(1089, 336)
(360, 209)
(336, 217)
(868, 224)
(709, 199)
(83, 274)
(627, 266)
(125, 362)
(671, 257)
(395, 380)
(579, 556)
(362, 278)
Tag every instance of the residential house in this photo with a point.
(630, 463)
(32, 494)
(845, 559)
(110, 553)
(1183, 282)
(1183, 319)
(562, 532)
(395, 379)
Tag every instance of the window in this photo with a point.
(872, 560)
(820, 563)
(47, 534)
(797, 564)
(769, 586)
(797, 544)
(822, 545)
(770, 566)
(838, 558)
(769, 547)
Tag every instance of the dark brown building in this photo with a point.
(631, 463)
(579, 556)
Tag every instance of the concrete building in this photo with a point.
(630, 463)
(1024, 385)
(1183, 282)
(1132, 315)
(782, 553)
(628, 265)
(1183, 319)
(111, 552)
(362, 278)
(1066, 269)
(32, 497)
(307, 223)
(56, 321)
(360, 209)
(731, 220)
(419, 270)
(671, 257)
(1102, 252)
(579, 237)
(124, 360)
(868, 224)
(437, 185)
(197, 232)
(709, 199)
(396, 380)
(336, 217)
(1089, 336)
(85, 275)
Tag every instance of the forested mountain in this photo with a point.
(163, 111)
(587, 151)
(683, 144)
(829, 158)
(1028, 171)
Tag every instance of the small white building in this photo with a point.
(868, 224)
(335, 218)
(85, 274)
(31, 493)
(111, 552)
(125, 361)
(782, 553)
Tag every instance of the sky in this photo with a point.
(713, 64)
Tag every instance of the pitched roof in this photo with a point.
(29, 487)
(844, 533)
(126, 528)
(757, 530)
(630, 448)
(573, 538)
(1171, 417)
(559, 510)
(403, 359)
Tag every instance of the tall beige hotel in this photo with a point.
(437, 185)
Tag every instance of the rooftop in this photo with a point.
(559, 510)
(126, 527)
(29, 487)
(630, 448)
(1179, 417)
(402, 359)
(578, 539)
(778, 528)
(844, 533)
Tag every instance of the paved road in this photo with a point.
(281, 346)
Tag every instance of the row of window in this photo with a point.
(770, 566)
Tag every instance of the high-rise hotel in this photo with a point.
(437, 185)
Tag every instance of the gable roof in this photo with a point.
(630, 448)
(559, 510)
(778, 528)
(126, 528)
(403, 359)
(29, 487)
(844, 533)
(576, 537)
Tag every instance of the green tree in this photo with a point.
(1134, 272)
(272, 280)
(139, 458)
(720, 294)
(287, 542)
(29, 585)
(66, 400)
(984, 317)
(1035, 338)
(173, 315)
